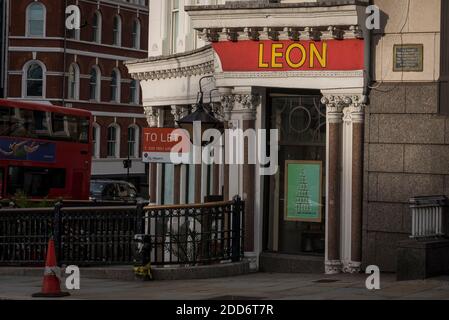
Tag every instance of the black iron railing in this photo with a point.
(196, 234)
(83, 236)
(124, 235)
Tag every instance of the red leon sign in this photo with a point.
(332, 55)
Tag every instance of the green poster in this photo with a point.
(303, 185)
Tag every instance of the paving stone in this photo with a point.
(262, 285)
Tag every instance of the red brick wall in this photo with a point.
(54, 61)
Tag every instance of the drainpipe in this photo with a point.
(64, 58)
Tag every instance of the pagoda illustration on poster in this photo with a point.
(303, 199)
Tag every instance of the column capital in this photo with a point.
(178, 112)
(355, 111)
(244, 104)
(152, 114)
(348, 108)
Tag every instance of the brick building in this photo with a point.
(2, 45)
(83, 69)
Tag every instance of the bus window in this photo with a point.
(59, 126)
(4, 121)
(22, 123)
(34, 182)
(41, 123)
(84, 130)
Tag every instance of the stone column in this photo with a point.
(227, 103)
(248, 109)
(344, 182)
(354, 115)
(217, 110)
(334, 120)
(178, 112)
(152, 115)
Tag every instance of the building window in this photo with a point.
(113, 143)
(95, 84)
(34, 79)
(133, 141)
(35, 19)
(117, 31)
(134, 92)
(73, 81)
(136, 34)
(96, 140)
(96, 27)
(115, 86)
(174, 25)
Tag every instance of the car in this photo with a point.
(113, 190)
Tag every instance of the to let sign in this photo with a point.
(159, 144)
(287, 55)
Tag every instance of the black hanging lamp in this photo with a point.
(201, 114)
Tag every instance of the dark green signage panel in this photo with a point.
(303, 188)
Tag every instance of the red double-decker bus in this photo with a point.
(45, 151)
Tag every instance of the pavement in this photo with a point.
(256, 286)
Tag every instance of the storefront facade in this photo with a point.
(302, 68)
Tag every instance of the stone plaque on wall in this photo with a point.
(408, 58)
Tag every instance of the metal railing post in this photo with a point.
(237, 236)
(57, 237)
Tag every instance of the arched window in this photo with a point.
(35, 20)
(73, 82)
(96, 26)
(96, 140)
(115, 86)
(33, 79)
(95, 84)
(117, 31)
(113, 143)
(134, 92)
(136, 34)
(133, 141)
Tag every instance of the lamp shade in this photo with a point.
(207, 120)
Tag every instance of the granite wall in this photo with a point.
(406, 155)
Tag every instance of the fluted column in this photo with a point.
(354, 116)
(334, 120)
(344, 182)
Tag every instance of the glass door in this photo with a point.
(301, 121)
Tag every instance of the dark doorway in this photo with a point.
(301, 121)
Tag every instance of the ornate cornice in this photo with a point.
(195, 70)
(285, 33)
(290, 74)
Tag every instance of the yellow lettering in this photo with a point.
(321, 57)
(275, 54)
(289, 59)
(261, 63)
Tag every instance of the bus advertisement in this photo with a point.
(45, 151)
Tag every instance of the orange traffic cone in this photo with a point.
(51, 284)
